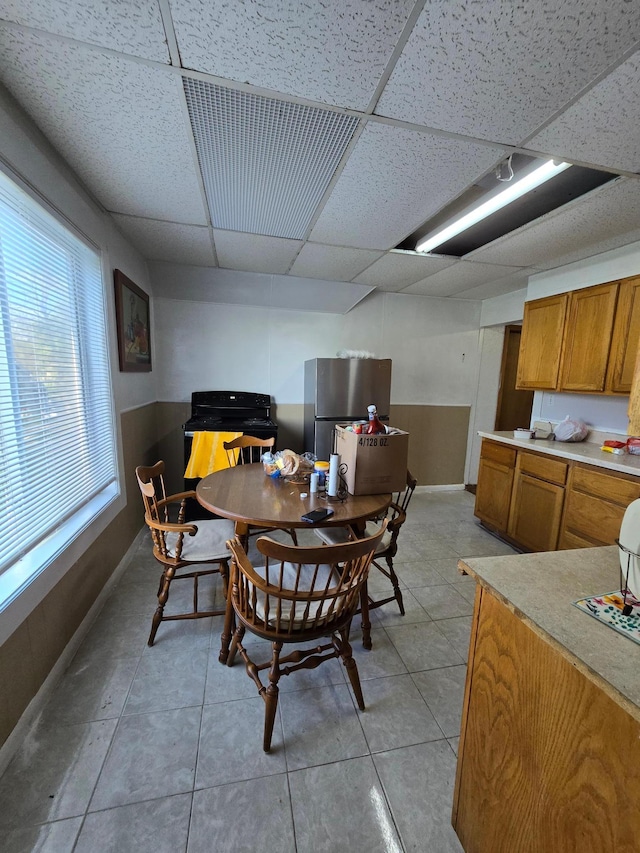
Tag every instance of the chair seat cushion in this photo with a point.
(339, 535)
(305, 583)
(208, 545)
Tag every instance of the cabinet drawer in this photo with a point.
(592, 519)
(501, 453)
(618, 490)
(541, 466)
(569, 541)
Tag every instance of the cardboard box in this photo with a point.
(375, 463)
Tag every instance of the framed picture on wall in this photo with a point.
(133, 323)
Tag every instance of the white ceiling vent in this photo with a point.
(265, 163)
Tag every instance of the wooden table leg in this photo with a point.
(242, 535)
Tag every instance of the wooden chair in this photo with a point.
(247, 450)
(299, 595)
(178, 546)
(388, 547)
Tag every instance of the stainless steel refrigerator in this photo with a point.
(337, 391)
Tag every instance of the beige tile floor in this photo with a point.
(159, 749)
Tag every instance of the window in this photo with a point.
(58, 466)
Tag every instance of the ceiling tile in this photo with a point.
(302, 294)
(291, 293)
(168, 241)
(333, 52)
(395, 270)
(332, 262)
(602, 126)
(133, 28)
(133, 151)
(499, 70)
(459, 278)
(254, 252)
(508, 284)
(607, 218)
(394, 180)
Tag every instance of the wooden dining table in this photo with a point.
(247, 496)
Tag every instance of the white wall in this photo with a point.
(433, 344)
(484, 412)
(609, 266)
(606, 414)
(502, 310)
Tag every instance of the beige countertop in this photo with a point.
(541, 588)
(579, 451)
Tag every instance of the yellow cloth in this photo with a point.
(208, 454)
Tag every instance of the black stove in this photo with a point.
(231, 411)
(225, 411)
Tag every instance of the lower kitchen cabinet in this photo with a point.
(536, 501)
(495, 482)
(539, 502)
(594, 506)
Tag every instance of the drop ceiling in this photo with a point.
(308, 139)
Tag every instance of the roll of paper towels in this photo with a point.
(334, 464)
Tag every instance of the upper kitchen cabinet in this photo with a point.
(541, 344)
(587, 338)
(585, 341)
(626, 334)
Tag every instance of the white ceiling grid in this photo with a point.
(265, 163)
(324, 132)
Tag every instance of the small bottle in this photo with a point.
(322, 469)
(375, 425)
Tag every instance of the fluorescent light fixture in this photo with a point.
(503, 197)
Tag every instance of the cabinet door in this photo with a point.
(495, 479)
(587, 338)
(541, 344)
(536, 509)
(626, 334)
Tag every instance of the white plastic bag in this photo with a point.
(571, 429)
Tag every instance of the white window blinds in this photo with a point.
(57, 440)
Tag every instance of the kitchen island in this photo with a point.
(549, 754)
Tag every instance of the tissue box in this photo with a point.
(375, 463)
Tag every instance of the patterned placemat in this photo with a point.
(608, 609)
